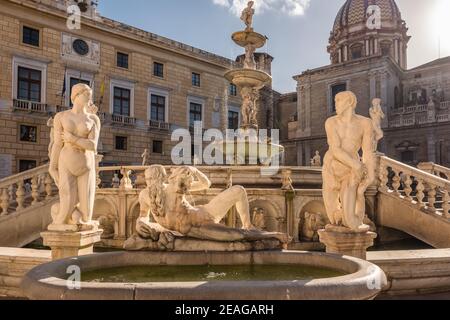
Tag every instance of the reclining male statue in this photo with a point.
(175, 216)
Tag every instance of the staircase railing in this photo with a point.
(25, 189)
(435, 169)
(426, 191)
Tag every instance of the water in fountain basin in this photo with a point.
(143, 274)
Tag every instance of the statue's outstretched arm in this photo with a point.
(335, 147)
(203, 183)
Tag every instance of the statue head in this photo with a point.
(317, 153)
(81, 94)
(182, 178)
(155, 173)
(376, 103)
(345, 100)
(250, 4)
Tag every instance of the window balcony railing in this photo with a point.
(62, 108)
(121, 119)
(159, 125)
(29, 106)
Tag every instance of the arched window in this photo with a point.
(356, 51)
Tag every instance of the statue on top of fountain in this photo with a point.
(247, 15)
(175, 217)
(345, 176)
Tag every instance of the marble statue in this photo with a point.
(312, 224)
(249, 113)
(73, 163)
(377, 115)
(126, 181)
(317, 160)
(345, 176)
(247, 15)
(258, 219)
(249, 61)
(145, 158)
(115, 182)
(167, 204)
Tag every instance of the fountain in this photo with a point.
(181, 251)
(248, 145)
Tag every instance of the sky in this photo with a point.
(298, 30)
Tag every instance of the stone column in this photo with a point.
(344, 242)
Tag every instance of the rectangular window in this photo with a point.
(72, 83)
(195, 113)
(195, 79)
(233, 120)
(334, 91)
(29, 84)
(121, 143)
(122, 98)
(233, 90)
(25, 165)
(30, 36)
(28, 133)
(157, 146)
(158, 69)
(122, 60)
(158, 108)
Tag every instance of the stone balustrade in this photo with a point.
(158, 125)
(419, 115)
(29, 106)
(125, 120)
(435, 169)
(424, 190)
(25, 190)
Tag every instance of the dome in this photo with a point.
(352, 38)
(353, 13)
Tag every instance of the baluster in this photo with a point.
(432, 197)
(383, 178)
(35, 190)
(408, 189)
(420, 195)
(446, 204)
(4, 201)
(20, 195)
(48, 186)
(396, 182)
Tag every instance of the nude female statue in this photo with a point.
(345, 176)
(377, 115)
(168, 206)
(73, 162)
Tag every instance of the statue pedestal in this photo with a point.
(68, 244)
(345, 242)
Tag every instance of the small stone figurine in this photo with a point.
(145, 158)
(247, 15)
(317, 160)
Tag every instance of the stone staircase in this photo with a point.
(25, 203)
(415, 201)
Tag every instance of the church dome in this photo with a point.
(353, 13)
(356, 35)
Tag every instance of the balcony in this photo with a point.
(124, 120)
(419, 115)
(29, 106)
(158, 125)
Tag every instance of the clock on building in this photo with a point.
(80, 47)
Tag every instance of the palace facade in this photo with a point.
(145, 85)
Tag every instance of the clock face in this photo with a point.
(80, 47)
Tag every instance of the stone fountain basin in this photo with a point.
(248, 78)
(244, 38)
(47, 281)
